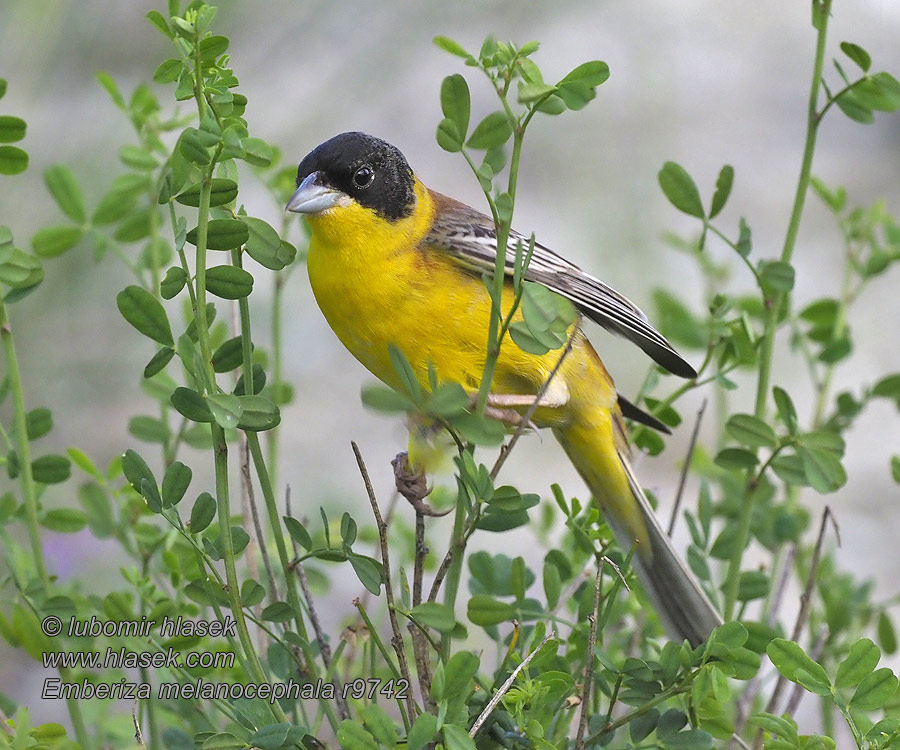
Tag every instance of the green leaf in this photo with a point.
(786, 409)
(222, 234)
(880, 92)
(191, 148)
(107, 82)
(875, 690)
(532, 92)
(493, 131)
(352, 736)
(266, 247)
(736, 458)
(149, 429)
(12, 160)
(141, 479)
(421, 732)
(753, 584)
(38, 422)
(887, 635)
(19, 269)
(137, 158)
(381, 398)
(278, 612)
(259, 414)
(592, 73)
(228, 282)
(298, 532)
(222, 191)
(448, 136)
(479, 430)
(857, 54)
(229, 355)
(449, 400)
(723, 190)
(145, 313)
(750, 431)
(853, 108)
(789, 469)
(485, 610)
(405, 373)
(791, 660)
(175, 483)
(776, 275)
(64, 520)
(454, 48)
(173, 283)
(888, 387)
(226, 409)
(745, 238)
(823, 469)
(51, 469)
(213, 47)
(679, 324)
(65, 191)
(252, 593)
(859, 663)
(191, 404)
(435, 615)
(169, 71)
(777, 725)
(457, 738)
(98, 508)
(256, 152)
(52, 241)
(456, 104)
(680, 189)
(203, 512)
(368, 571)
(12, 129)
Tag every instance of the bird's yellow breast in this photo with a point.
(378, 283)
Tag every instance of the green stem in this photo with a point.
(790, 240)
(502, 228)
(777, 300)
(24, 451)
(220, 447)
(277, 368)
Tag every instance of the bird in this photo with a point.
(393, 263)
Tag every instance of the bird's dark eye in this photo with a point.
(363, 177)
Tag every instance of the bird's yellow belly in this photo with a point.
(430, 309)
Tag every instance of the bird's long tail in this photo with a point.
(596, 445)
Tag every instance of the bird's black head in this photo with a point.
(370, 171)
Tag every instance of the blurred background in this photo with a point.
(699, 82)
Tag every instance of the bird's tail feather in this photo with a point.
(683, 606)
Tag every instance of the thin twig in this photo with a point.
(247, 486)
(805, 601)
(138, 734)
(589, 661)
(526, 417)
(324, 646)
(504, 688)
(778, 597)
(684, 469)
(397, 640)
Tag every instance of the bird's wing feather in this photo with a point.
(469, 237)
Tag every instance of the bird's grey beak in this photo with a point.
(313, 197)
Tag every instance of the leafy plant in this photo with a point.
(496, 651)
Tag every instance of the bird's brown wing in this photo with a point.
(469, 237)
